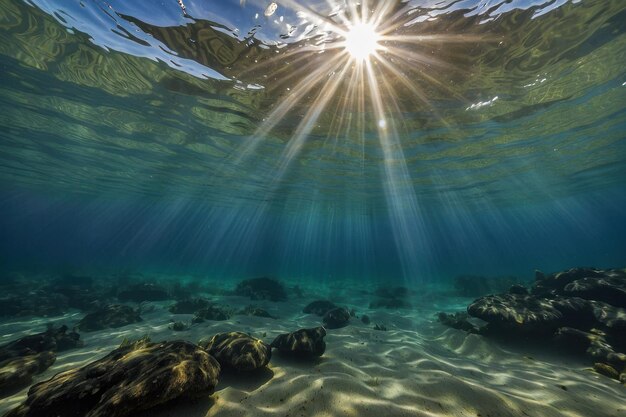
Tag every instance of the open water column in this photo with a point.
(312, 208)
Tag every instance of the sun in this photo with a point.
(361, 41)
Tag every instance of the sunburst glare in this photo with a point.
(354, 80)
(361, 41)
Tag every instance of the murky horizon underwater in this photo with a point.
(398, 158)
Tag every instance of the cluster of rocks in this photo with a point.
(141, 375)
(21, 359)
(581, 310)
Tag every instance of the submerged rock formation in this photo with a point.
(238, 351)
(23, 358)
(303, 343)
(131, 378)
(262, 289)
(582, 309)
(212, 312)
(111, 316)
(189, 305)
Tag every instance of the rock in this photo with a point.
(606, 370)
(189, 305)
(212, 312)
(33, 303)
(178, 326)
(262, 289)
(457, 321)
(255, 311)
(365, 319)
(380, 327)
(622, 377)
(336, 318)
(143, 292)
(610, 289)
(238, 351)
(31, 355)
(319, 307)
(17, 372)
(303, 343)
(553, 284)
(111, 316)
(518, 289)
(510, 311)
(129, 379)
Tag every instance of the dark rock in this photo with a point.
(262, 289)
(319, 307)
(516, 312)
(255, 311)
(31, 355)
(238, 351)
(111, 316)
(189, 305)
(553, 284)
(143, 292)
(518, 289)
(458, 321)
(365, 319)
(303, 343)
(336, 318)
(606, 370)
(178, 326)
(129, 379)
(212, 312)
(17, 372)
(610, 289)
(34, 303)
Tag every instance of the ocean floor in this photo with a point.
(417, 367)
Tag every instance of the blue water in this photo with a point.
(131, 141)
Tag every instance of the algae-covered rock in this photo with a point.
(129, 379)
(111, 316)
(238, 351)
(606, 370)
(336, 318)
(256, 312)
(303, 343)
(212, 312)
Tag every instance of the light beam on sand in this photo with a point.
(365, 59)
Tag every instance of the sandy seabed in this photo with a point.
(417, 367)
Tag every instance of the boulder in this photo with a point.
(131, 378)
(303, 343)
(111, 316)
(262, 289)
(238, 351)
(336, 318)
(458, 321)
(212, 312)
(17, 372)
(609, 289)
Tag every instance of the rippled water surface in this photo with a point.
(231, 105)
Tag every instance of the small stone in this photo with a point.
(336, 318)
(606, 370)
